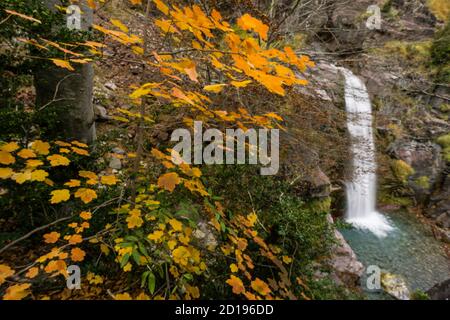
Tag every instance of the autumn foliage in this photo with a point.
(204, 56)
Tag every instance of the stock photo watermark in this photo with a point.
(229, 149)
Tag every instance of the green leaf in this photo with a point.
(151, 282)
(124, 260)
(144, 278)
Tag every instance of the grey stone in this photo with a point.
(115, 163)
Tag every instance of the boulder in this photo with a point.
(395, 285)
(440, 291)
(346, 268)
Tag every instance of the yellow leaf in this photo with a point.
(77, 254)
(6, 158)
(247, 22)
(134, 221)
(123, 296)
(21, 177)
(58, 196)
(161, 6)
(63, 64)
(17, 292)
(26, 153)
(176, 225)
(51, 237)
(233, 268)
(79, 144)
(85, 215)
(236, 284)
(241, 84)
(6, 173)
(9, 147)
(80, 151)
(33, 163)
(41, 147)
(109, 180)
(32, 273)
(58, 160)
(169, 181)
(39, 175)
(62, 144)
(86, 195)
(216, 88)
(119, 25)
(5, 272)
(75, 239)
(14, 13)
(287, 260)
(155, 236)
(88, 174)
(261, 287)
(73, 183)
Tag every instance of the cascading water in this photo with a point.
(361, 192)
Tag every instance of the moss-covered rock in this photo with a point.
(401, 170)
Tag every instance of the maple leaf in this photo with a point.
(181, 255)
(62, 144)
(21, 177)
(261, 287)
(9, 147)
(247, 22)
(6, 173)
(77, 254)
(73, 183)
(41, 147)
(123, 296)
(58, 196)
(236, 284)
(80, 151)
(241, 84)
(86, 195)
(75, 239)
(6, 158)
(109, 180)
(176, 225)
(58, 160)
(120, 25)
(33, 163)
(134, 221)
(155, 236)
(51, 237)
(32, 273)
(39, 175)
(85, 215)
(161, 6)
(17, 292)
(88, 174)
(169, 181)
(5, 272)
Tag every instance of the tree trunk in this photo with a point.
(69, 90)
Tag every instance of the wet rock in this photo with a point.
(115, 163)
(395, 285)
(346, 267)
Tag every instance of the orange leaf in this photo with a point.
(169, 181)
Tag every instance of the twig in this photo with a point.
(33, 232)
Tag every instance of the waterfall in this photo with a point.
(361, 191)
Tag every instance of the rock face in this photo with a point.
(425, 159)
(440, 291)
(395, 286)
(439, 204)
(346, 267)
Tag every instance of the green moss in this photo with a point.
(423, 182)
(444, 141)
(445, 107)
(402, 171)
(320, 205)
(385, 197)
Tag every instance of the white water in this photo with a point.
(361, 192)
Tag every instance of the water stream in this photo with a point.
(397, 242)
